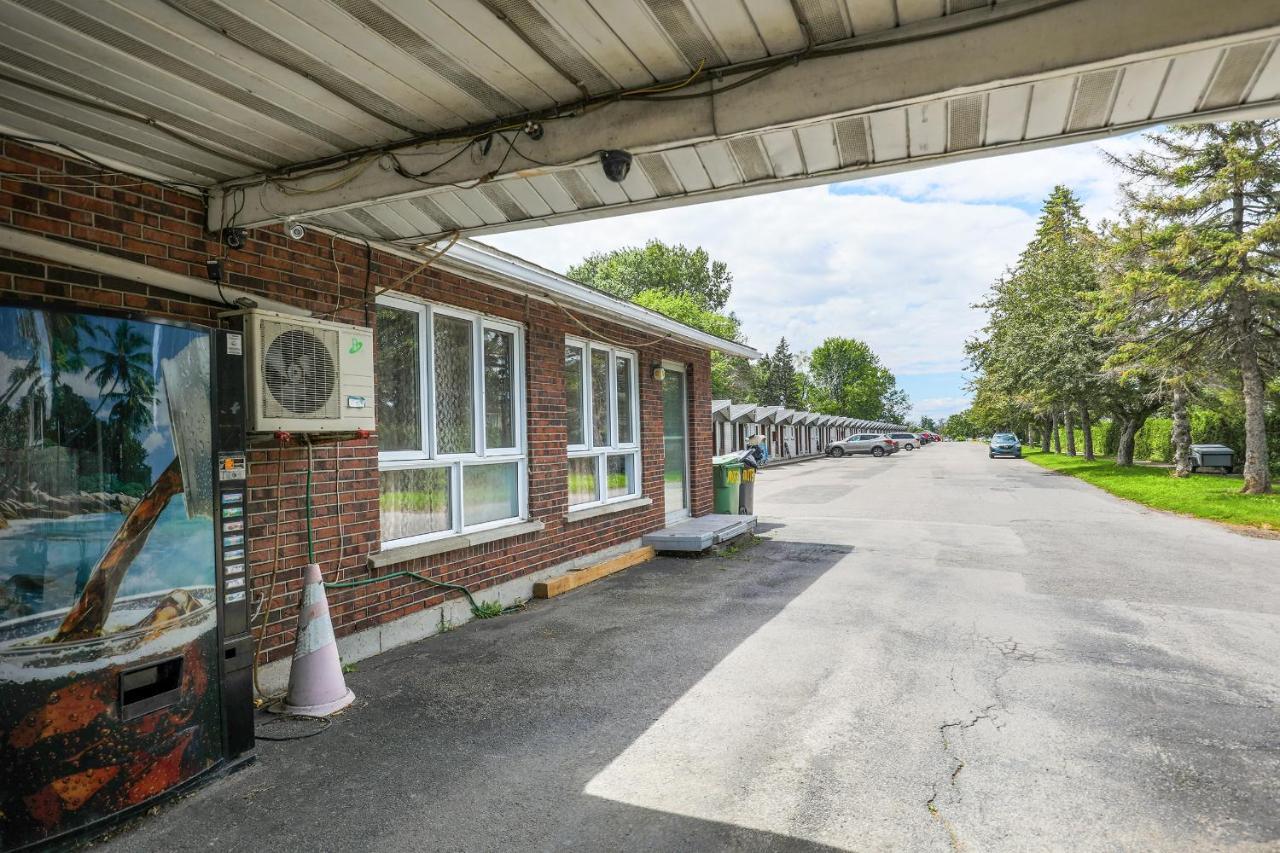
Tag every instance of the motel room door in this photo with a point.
(675, 441)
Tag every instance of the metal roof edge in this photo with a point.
(468, 256)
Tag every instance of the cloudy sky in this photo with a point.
(895, 261)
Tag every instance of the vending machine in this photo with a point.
(125, 654)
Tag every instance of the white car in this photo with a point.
(908, 440)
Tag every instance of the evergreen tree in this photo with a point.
(777, 380)
(1202, 237)
(1039, 346)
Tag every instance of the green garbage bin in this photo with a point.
(728, 479)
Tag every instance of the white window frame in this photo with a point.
(613, 447)
(427, 456)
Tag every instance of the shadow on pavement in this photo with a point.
(485, 738)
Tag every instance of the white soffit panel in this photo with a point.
(688, 169)
(777, 24)
(457, 209)
(526, 196)
(553, 193)
(927, 128)
(1007, 114)
(871, 16)
(818, 142)
(1186, 82)
(480, 204)
(593, 37)
(889, 135)
(1050, 101)
(637, 185)
(784, 153)
(608, 191)
(645, 38)
(1139, 88)
(910, 11)
(732, 28)
(720, 165)
(1267, 86)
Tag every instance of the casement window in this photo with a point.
(451, 444)
(602, 409)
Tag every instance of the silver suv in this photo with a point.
(875, 445)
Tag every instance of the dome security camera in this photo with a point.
(616, 164)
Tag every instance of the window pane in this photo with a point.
(600, 398)
(499, 389)
(582, 481)
(573, 395)
(455, 413)
(623, 371)
(399, 403)
(490, 493)
(414, 501)
(621, 475)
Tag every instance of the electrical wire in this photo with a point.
(600, 335)
(303, 736)
(368, 299)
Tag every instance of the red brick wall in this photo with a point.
(120, 215)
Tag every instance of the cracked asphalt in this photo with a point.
(934, 651)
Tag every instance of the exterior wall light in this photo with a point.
(659, 373)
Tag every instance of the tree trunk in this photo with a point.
(1057, 436)
(1070, 420)
(1181, 438)
(1045, 428)
(1257, 475)
(1086, 424)
(1128, 436)
(86, 619)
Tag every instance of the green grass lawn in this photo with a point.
(1209, 496)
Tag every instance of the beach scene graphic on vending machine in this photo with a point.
(106, 564)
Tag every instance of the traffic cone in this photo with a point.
(316, 685)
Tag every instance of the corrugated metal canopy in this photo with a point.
(410, 115)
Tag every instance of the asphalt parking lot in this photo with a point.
(932, 651)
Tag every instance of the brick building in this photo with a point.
(567, 471)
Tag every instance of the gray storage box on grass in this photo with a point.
(1212, 456)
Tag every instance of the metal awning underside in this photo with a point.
(767, 94)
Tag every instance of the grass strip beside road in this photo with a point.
(1210, 496)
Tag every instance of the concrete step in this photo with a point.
(701, 533)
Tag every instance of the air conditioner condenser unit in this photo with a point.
(305, 375)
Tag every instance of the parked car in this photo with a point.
(908, 440)
(875, 445)
(1005, 444)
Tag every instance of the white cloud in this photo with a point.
(1023, 179)
(896, 261)
(154, 440)
(938, 407)
(808, 265)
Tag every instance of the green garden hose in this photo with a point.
(394, 575)
(311, 556)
